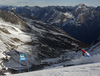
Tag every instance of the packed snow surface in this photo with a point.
(83, 70)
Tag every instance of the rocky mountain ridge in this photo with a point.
(80, 21)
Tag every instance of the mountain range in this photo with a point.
(80, 21)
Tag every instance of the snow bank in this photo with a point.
(92, 59)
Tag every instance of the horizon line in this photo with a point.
(46, 5)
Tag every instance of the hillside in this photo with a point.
(37, 39)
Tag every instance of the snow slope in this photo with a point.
(83, 70)
(83, 66)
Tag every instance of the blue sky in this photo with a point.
(49, 2)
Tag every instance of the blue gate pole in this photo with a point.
(27, 62)
(19, 63)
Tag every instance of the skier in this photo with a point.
(86, 54)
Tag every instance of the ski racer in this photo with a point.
(86, 54)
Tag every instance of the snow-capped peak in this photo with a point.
(81, 5)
